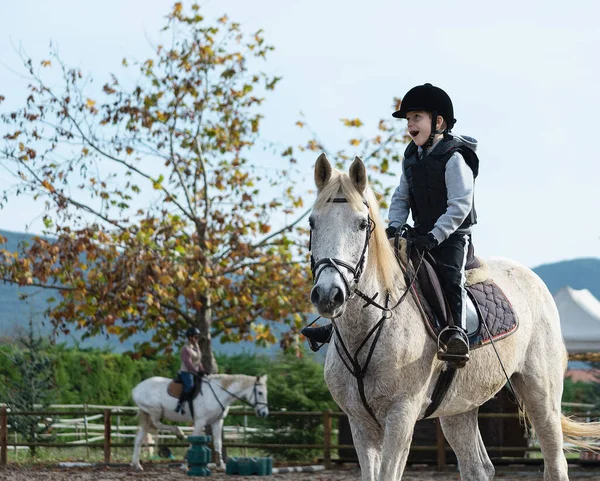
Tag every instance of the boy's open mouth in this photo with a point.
(413, 133)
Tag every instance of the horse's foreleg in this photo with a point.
(398, 430)
(217, 429)
(199, 425)
(367, 442)
(462, 433)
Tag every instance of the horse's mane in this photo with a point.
(381, 261)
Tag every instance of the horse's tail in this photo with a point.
(577, 433)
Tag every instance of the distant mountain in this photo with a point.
(15, 312)
(581, 273)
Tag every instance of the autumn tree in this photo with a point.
(124, 260)
(155, 217)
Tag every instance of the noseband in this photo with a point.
(337, 263)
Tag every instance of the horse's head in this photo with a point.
(347, 237)
(257, 396)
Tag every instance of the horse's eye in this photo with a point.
(363, 224)
(311, 223)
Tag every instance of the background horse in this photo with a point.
(210, 407)
(403, 369)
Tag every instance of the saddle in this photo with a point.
(175, 389)
(490, 315)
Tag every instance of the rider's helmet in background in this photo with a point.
(192, 331)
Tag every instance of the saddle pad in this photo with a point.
(495, 311)
(492, 307)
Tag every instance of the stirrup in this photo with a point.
(449, 353)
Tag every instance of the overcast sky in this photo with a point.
(523, 77)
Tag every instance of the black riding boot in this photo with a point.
(181, 403)
(316, 335)
(451, 257)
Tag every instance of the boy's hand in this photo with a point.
(425, 242)
(391, 232)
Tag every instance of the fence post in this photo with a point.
(85, 428)
(441, 445)
(107, 436)
(327, 438)
(3, 436)
(118, 434)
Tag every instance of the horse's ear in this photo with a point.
(262, 378)
(358, 174)
(322, 171)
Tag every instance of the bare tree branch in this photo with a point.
(43, 286)
(61, 196)
(284, 229)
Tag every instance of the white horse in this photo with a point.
(210, 408)
(402, 372)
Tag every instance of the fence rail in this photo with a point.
(108, 429)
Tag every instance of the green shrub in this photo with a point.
(295, 384)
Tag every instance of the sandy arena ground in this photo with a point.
(348, 474)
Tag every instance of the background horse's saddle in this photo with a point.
(486, 303)
(175, 387)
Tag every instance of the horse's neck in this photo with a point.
(236, 387)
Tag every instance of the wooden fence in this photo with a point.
(327, 446)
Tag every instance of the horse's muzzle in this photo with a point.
(328, 300)
(262, 412)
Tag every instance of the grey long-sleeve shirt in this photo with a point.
(460, 188)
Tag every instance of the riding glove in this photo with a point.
(425, 242)
(391, 232)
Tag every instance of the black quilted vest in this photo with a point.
(427, 181)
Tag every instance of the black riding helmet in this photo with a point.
(430, 99)
(192, 331)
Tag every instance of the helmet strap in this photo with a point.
(429, 143)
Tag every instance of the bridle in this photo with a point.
(337, 263)
(254, 405)
(351, 362)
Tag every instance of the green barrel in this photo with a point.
(249, 466)
(198, 456)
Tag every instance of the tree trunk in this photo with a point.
(203, 319)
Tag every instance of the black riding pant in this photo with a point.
(451, 258)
